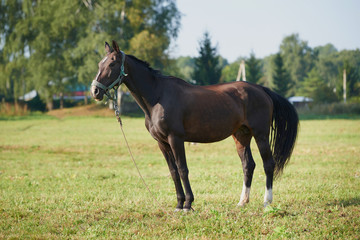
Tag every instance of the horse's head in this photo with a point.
(111, 72)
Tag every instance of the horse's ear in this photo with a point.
(115, 46)
(107, 47)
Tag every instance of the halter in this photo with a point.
(112, 86)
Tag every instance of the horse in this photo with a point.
(177, 112)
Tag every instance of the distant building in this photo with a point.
(78, 92)
(300, 101)
(29, 96)
(75, 92)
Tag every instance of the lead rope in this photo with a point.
(117, 113)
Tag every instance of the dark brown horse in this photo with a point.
(176, 111)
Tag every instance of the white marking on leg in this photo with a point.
(245, 195)
(268, 197)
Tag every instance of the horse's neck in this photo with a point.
(142, 86)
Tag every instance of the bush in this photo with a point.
(331, 109)
(11, 109)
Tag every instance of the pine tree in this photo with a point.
(207, 70)
(281, 78)
(253, 69)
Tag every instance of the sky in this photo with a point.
(241, 26)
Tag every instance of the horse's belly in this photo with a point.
(210, 130)
(205, 139)
(212, 117)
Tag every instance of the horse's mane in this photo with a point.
(156, 73)
(147, 65)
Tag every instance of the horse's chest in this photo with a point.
(158, 129)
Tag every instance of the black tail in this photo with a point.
(284, 128)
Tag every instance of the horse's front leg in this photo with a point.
(167, 152)
(177, 147)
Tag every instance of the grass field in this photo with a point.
(73, 178)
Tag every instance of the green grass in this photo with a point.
(73, 178)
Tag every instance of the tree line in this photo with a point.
(296, 70)
(54, 46)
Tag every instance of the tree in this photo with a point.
(316, 88)
(326, 50)
(330, 66)
(352, 81)
(13, 75)
(281, 78)
(50, 45)
(207, 70)
(141, 28)
(230, 71)
(37, 46)
(186, 67)
(253, 69)
(58, 29)
(298, 59)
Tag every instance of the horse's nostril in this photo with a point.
(96, 91)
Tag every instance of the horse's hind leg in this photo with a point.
(242, 140)
(262, 140)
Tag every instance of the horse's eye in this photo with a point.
(111, 64)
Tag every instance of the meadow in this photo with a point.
(72, 177)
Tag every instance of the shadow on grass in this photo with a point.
(276, 212)
(35, 115)
(355, 201)
(134, 115)
(40, 116)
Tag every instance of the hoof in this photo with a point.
(266, 204)
(178, 210)
(186, 210)
(242, 203)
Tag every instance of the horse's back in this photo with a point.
(251, 98)
(212, 113)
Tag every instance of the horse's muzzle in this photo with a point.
(97, 93)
